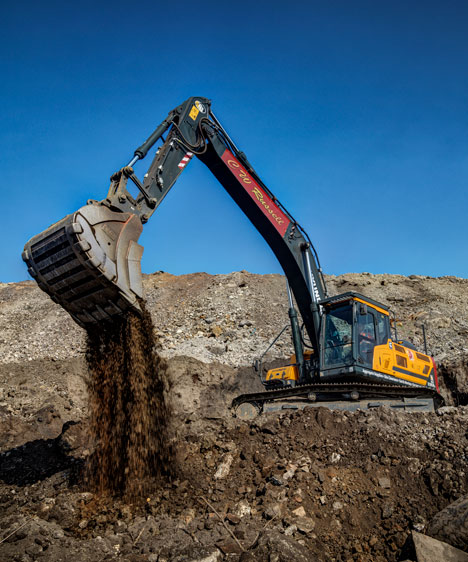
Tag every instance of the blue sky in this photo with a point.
(353, 113)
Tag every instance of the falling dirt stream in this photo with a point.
(129, 415)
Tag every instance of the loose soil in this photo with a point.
(309, 485)
(128, 412)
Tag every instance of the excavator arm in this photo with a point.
(89, 262)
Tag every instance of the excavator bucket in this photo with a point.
(89, 263)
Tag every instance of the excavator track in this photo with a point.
(345, 396)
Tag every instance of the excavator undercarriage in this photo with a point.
(336, 396)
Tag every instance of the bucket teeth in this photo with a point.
(89, 263)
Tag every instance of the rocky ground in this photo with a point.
(310, 485)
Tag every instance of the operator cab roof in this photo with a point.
(351, 295)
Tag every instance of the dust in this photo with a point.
(128, 413)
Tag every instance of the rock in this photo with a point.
(335, 457)
(387, 511)
(429, 549)
(273, 511)
(289, 472)
(276, 480)
(305, 524)
(74, 440)
(224, 468)
(63, 511)
(212, 556)
(232, 518)
(216, 331)
(384, 482)
(242, 509)
(48, 422)
(188, 516)
(451, 524)
(289, 531)
(299, 512)
(229, 546)
(280, 548)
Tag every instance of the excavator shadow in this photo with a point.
(36, 461)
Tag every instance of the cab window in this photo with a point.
(366, 326)
(338, 335)
(382, 326)
(366, 337)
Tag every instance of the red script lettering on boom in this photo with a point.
(276, 216)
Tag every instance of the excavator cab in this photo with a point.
(356, 343)
(359, 365)
(352, 327)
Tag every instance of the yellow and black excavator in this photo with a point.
(344, 355)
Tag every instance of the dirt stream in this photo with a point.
(129, 416)
(141, 460)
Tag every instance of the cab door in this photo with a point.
(337, 337)
(366, 335)
(372, 329)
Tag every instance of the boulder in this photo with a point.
(451, 524)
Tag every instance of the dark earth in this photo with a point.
(309, 485)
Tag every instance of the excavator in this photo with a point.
(345, 355)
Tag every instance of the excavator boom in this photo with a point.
(89, 262)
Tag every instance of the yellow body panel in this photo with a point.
(411, 365)
(289, 373)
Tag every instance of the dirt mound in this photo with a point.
(309, 485)
(453, 377)
(232, 318)
(315, 484)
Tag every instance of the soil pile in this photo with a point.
(309, 485)
(128, 412)
(231, 319)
